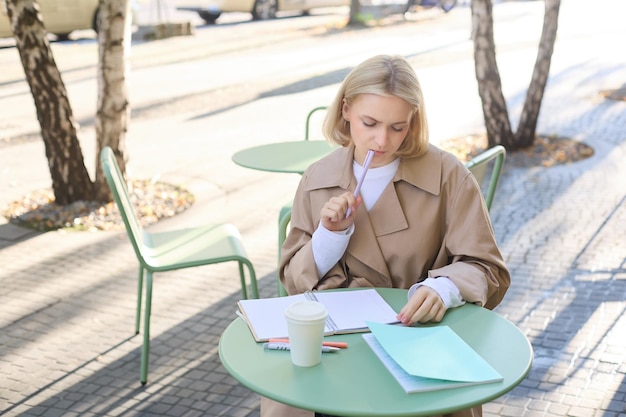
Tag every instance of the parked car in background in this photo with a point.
(210, 10)
(60, 17)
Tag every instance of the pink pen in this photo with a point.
(366, 165)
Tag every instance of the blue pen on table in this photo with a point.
(285, 346)
(359, 183)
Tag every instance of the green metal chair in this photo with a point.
(307, 126)
(479, 166)
(172, 250)
(284, 217)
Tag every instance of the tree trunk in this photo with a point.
(355, 13)
(113, 111)
(526, 131)
(495, 111)
(70, 179)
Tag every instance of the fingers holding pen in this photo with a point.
(333, 214)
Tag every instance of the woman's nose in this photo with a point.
(381, 138)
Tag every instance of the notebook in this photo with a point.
(348, 312)
(429, 358)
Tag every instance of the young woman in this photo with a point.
(419, 222)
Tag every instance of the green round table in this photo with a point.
(288, 157)
(354, 382)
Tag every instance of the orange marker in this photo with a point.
(342, 345)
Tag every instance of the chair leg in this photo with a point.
(282, 292)
(139, 292)
(145, 348)
(254, 289)
(242, 279)
(283, 223)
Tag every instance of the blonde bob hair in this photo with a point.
(384, 75)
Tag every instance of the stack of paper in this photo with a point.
(428, 358)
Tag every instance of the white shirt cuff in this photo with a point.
(449, 293)
(328, 247)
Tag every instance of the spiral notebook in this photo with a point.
(348, 312)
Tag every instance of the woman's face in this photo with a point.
(379, 123)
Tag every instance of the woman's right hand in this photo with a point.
(333, 214)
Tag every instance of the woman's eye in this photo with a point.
(369, 124)
(398, 129)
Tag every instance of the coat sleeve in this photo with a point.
(469, 255)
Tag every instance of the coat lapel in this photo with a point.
(385, 217)
(364, 245)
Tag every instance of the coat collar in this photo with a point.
(335, 170)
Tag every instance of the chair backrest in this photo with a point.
(479, 165)
(117, 184)
(307, 127)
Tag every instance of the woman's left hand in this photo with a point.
(424, 306)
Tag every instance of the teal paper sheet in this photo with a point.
(433, 352)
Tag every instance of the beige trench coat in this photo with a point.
(430, 221)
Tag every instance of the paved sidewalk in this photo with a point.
(67, 301)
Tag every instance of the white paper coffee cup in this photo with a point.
(305, 326)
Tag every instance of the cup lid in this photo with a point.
(306, 310)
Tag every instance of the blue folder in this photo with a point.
(433, 352)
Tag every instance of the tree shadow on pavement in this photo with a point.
(577, 323)
(185, 373)
(559, 229)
